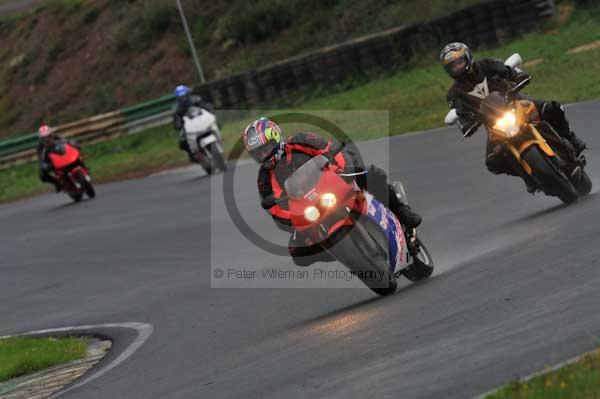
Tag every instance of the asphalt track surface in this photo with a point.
(515, 289)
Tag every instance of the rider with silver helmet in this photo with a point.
(280, 158)
(474, 80)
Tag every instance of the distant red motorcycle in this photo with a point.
(71, 172)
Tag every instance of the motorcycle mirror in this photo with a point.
(451, 117)
(513, 61)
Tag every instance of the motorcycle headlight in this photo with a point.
(508, 124)
(311, 213)
(328, 200)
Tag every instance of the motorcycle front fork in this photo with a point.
(412, 242)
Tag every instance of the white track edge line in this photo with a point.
(144, 331)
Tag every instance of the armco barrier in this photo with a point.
(488, 23)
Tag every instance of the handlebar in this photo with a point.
(518, 87)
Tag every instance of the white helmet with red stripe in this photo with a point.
(45, 131)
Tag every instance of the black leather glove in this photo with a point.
(268, 202)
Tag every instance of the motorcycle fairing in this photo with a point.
(198, 124)
(67, 166)
(200, 128)
(69, 156)
(389, 224)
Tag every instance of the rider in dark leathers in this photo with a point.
(474, 81)
(279, 159)
(46, 144)
(184, 99)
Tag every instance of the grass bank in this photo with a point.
(580, 380)
(23, 355)
(98, 37)
(415, 98)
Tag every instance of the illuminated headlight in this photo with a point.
(328, 200)
(508, 124)
(311, 213)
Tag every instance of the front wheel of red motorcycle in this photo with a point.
(354, 247)
(85, 184)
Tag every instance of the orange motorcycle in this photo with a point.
(549, 160)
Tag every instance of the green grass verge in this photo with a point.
(580, 380)
(416, 99)
(22, 355)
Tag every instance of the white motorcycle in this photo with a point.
(204, 139)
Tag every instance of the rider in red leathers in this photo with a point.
(279, 159)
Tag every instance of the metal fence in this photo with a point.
(484, 24)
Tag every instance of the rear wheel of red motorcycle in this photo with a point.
(422, 266)
(85, 185)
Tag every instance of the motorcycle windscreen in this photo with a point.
(303, 180)
(198, 124)
(65, 157)
(193, 112)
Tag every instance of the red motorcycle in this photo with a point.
(353, 226)
(71, 172)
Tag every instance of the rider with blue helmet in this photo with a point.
(184, 99)
(181, 91)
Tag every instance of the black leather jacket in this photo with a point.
(486, 76)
